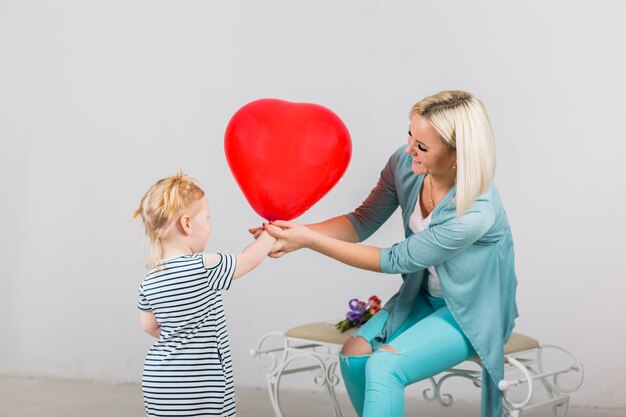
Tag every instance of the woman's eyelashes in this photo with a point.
(416, 143)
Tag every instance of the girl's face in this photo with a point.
(430, 154)
(200, 225)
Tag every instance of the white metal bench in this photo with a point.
(315, 347)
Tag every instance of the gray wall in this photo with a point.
(100, 99)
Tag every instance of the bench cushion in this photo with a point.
(320, 332)
(519, 342)
(327, 333)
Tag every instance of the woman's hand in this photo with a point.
(291, 236)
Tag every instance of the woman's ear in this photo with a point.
(185, 224)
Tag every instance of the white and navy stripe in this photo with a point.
(188, 371)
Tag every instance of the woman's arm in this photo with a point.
(338, 227)
(337, 237)
(293, 236)
(379, 205)
(440, 242)
(421, 250)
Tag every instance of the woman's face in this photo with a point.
(430, 154)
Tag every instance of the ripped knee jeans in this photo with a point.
(429, 342)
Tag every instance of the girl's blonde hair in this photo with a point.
(161, 205)
(462, 123)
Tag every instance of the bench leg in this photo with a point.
(332, 380)
(328, 377)
(560, 410)
(272, 388)
(278, 362)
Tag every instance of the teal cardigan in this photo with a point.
(473, 257)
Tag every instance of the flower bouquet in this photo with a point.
(360, 312)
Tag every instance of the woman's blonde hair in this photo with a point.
(161, 205)
(462, 122)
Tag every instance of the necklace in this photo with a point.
(431, 201)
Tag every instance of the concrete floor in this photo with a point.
(39, 397)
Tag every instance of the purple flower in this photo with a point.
(360, 312)
(357, 310)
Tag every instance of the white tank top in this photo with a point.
(418, 224)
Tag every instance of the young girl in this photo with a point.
(188, 371)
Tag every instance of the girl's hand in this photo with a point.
(256, 231)
(291, 236)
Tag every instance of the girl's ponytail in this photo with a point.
(162, 204)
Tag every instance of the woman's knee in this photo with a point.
(389, 348)
(356, 346)
(386, 367)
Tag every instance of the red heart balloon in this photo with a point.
(286, 156)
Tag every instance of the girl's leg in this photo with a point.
(427, 348)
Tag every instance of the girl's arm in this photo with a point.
(249, 258)
(253, 254)
(293, 236)
(149, 323)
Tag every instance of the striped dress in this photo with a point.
(188, 371)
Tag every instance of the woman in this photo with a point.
(458, 293)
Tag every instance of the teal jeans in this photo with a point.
(429, 342)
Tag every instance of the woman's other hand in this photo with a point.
(291, 236)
